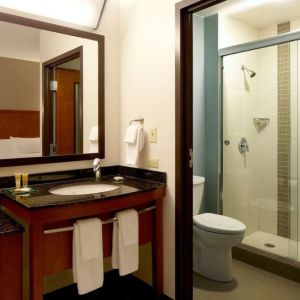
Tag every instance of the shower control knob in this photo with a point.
(227, 142)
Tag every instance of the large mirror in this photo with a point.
(51, 92)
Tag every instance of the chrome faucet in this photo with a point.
(243, 145)
(97, 169)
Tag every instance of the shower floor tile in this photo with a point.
(273, 244)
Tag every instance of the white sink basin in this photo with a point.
(83, 189)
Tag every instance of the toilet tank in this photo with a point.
(198, 187)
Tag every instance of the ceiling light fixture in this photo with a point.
(81, 12)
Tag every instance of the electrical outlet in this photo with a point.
(154, 163)
(153, 135)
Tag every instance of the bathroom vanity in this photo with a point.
(50, 218)
(11, 258)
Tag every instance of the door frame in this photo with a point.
(47, 66)
(184, 143)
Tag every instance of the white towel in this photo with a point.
(133, 149)
(125, 246)
(88, 255)
(131, 133)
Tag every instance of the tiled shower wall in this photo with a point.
(284, 134)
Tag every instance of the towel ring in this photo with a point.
(139, 119)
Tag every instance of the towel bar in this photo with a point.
(112, 220)
(139, 119)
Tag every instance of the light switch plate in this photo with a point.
(154, 163)
(153, 135)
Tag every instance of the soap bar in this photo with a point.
(118, 178)
(22, 190)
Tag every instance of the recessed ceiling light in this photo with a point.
(80, 12)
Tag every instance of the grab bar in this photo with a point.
(112, 220)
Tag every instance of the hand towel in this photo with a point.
(131, 133)
(125, 248)
(133, 149)
(88, 255)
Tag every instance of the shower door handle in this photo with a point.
(243, 145)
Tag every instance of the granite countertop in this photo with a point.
(8, 226)
(41, 197)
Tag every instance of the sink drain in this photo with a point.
(269, 245)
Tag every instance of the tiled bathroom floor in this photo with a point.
(283, 246)
(250, 283)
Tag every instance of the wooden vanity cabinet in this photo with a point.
(11, 264)
(52, 253)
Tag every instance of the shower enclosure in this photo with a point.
(261, 157)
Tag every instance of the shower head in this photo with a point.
(250, 72)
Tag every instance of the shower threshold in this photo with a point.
(274, 244)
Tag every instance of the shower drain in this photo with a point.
(269, 245)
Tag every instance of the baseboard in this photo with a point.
(268, 262)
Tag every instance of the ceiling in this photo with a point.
(257, 13)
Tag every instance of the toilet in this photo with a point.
(213, 237)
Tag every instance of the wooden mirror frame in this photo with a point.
(4, 17)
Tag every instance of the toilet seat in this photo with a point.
(218, 224)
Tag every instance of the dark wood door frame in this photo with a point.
(47, 105)
(184, 142)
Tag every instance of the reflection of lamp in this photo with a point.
(80, 12)
(93, 136)
(93, 139)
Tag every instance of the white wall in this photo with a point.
(234, 32)
(265, 105)
(250, 180)
(265, 142)
(19, 42)
(148, 89)
(239, 190)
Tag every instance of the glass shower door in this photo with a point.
(260, 146)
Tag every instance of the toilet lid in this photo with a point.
(219, 224)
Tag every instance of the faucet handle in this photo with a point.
(96, 162)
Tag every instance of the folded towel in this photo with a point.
(131, 133)
(133, 149)
(125, 249)
(88, 255)
(93, 135)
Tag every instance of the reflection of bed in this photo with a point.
(21, 123)
(19, 134)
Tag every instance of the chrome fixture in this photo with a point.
(139, 119)
(250, 72)
(261, 123)
(112, 220)
(243, 145)
(97, 168)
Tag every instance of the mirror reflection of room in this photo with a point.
(24, 125)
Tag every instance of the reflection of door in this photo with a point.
(65, 110)
(63, 123)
